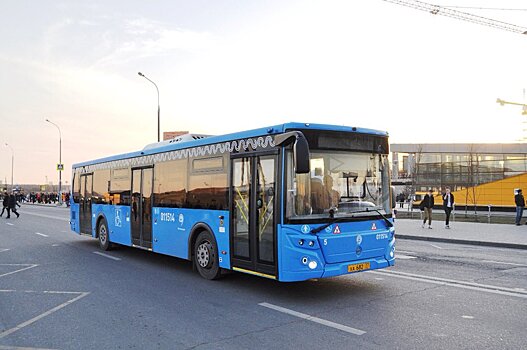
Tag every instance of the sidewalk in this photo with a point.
(50, 205)
(491, 235)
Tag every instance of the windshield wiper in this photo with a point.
(367, 210)
(331, 222)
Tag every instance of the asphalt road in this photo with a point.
(58, 292)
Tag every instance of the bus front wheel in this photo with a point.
(206, 256)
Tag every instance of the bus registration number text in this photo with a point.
(359, 267)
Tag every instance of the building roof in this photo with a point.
(486, 148)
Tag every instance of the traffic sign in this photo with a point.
(60, 167)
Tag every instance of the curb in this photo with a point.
(43, 205)
(463, 241)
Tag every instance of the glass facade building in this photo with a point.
(461, 166)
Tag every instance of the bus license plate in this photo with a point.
(359, 267)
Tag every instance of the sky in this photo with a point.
(229, 65)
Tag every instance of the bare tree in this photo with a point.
(472, 179)
(414, 172)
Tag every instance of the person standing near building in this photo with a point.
(520, 204)
(426, 205)
(448, 205)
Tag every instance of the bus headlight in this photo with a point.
(312, 265)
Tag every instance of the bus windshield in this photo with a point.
(341, 183)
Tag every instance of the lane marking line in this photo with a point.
(468, 317)
(10, 224)
(404, 257)
(39, 291)
(3, 250)
(47, 313)
(455, 283)
(403, 251)
(313, 319)
(41, 234)
(435, 246)
(107, 256)
(504, 263)
(3, 347)
(48, 216)
(28, 266)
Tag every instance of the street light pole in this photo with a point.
(60, 160)
(158, 107)
(12, 163)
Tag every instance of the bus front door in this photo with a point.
(141, 207)
(85, 200)
(253, 233)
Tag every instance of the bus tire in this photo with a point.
(104, 235)
(206, 256)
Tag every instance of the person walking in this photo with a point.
(12, 205)
(520, 204)
(5, 203)
(448, 205)
(426, 205)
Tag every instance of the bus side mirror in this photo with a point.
(300, 149)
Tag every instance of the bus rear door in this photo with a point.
(85, 200)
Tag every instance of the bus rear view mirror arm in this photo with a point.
(300, 149)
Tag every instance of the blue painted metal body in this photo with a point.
(356, 242)
(333, 249)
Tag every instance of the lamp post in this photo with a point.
(59, 167)
(158, 108)
(12, 163)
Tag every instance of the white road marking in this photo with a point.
(3, 250)
(468, 317)
(41, 234)
(107, 256)
(47, 313)
(55, 245)
(454, 283)
(504, 263)
(27, 267)
(404, 257)
(314, 319)
(4, 347)
(403, 251)
(435, 246)
(48, 216)
(10, 224)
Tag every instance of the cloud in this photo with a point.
(141, 38)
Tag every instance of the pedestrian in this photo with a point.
(448, 205)
(12, 205)
(520, 204)
(5, 203)
(426, 205)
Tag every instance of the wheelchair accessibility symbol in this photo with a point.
(118, 220)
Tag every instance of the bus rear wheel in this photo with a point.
(206, 256)
(104, 235)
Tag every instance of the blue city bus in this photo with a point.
(289, 202)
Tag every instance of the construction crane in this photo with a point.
(464, 16)
(503, 103)
(524, 112)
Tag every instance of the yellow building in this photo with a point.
(478, 174)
